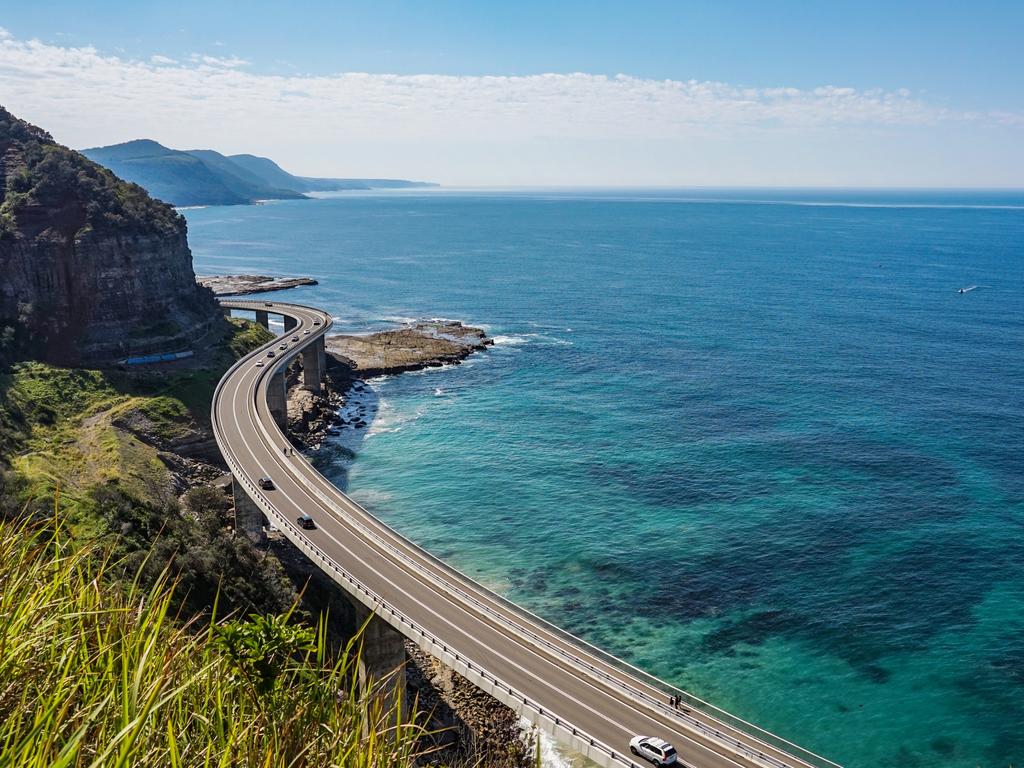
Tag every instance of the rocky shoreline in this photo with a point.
(424, 344)
(241, 285)
(353, 359)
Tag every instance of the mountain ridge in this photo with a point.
(207, 177)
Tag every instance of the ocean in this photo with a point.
(755, 442)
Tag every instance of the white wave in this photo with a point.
(371, 497)
(390, 419)
(553, 755)
(517, 339)
(512, 341)
(434, 369)
(400, 319)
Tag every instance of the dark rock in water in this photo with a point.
(92, 269)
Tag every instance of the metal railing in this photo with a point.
(709, 711)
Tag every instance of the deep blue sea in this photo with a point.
(755, 442)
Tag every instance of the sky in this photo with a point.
(596, 93)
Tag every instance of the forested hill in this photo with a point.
(206, 177)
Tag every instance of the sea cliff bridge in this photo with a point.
(585, 698)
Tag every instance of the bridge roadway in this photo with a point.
(585, 698)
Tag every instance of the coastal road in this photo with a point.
(585, 698)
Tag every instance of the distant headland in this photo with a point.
(205, 177)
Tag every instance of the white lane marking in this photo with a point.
(474, 641)
(530, 650)
(403, 567)
(385, 537)
(727, 739)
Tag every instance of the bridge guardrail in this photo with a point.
(378, 604)
(708, 710)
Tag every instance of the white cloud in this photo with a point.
(87, 98)
(229, 62)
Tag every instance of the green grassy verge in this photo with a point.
(66, 428)
(95, 671)
(94, 438)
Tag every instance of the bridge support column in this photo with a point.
(249, 519)
(277, 398)
(313, 364)
(263, 318)
(382, 663)
(289, 323)
(225, 310)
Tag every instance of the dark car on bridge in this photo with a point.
(305, 521)
(266, 483)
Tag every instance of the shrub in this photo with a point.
(96, 673)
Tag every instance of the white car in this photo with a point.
(658, 751)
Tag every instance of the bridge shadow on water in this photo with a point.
(341, 446)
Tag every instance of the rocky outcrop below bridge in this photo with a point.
(425, 344)
(241, 285)
(353, 359)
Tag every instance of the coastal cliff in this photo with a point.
(92, 269)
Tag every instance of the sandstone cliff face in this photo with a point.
(92, 269)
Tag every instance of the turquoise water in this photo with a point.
(765, 450)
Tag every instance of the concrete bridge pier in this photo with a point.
(289, 323)
(249, 519)
(381, 663)
(314, 361)
(277, 399)
(263, 318)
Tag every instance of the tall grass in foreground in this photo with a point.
(98, 673)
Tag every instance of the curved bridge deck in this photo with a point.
(585, 698)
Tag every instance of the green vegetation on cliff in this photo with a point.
(39, 173)
(104, 441)
(96, 671)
